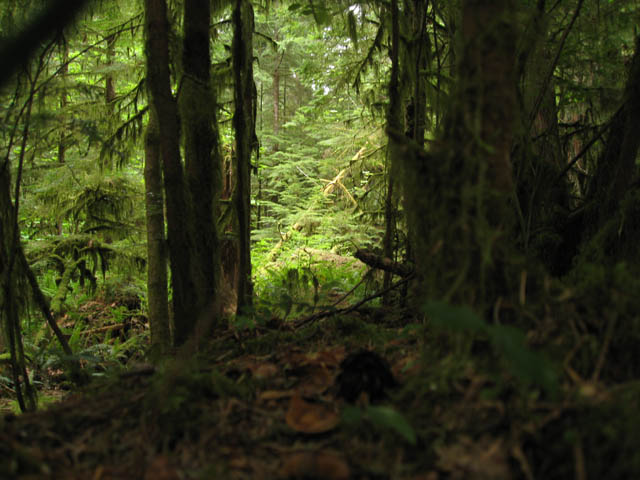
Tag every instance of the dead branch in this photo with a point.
(337, 311)
(383, 263)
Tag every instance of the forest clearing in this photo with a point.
(320, 239)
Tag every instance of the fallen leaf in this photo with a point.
(161, 469)
(307, 417)
(317, 380)
(265, 370)
(315, 465)
(482, 459)
(268, 395)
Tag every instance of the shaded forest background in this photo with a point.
(452, 184)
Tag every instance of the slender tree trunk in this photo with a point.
(276, 101)
(417, 59)
(202, 157)
(163, 104)
(157, 293)
(244, 125)
(62, 145)
(109, 93)
(394, 124)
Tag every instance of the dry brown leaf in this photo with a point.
(483, 459)
(264, 370)
(161, 469)
(268, 395)
(318, 465)
(406, 367)
(239, 463)
(308, 417)
(328, 358)
(317, 380)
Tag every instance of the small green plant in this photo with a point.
(526, 365)
(382, 418)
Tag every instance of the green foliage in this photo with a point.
(303, 279)
(382, 418)
(528, 366)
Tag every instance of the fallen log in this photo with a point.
(383, 263)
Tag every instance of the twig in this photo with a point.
(329, 313)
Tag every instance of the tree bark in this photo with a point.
(456, 194)
(202, 157)
(244, 125)
(157, 292)
(276, 102)
(394, 123)
(616, 168)
(165, 109)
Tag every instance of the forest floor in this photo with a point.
(370, 394)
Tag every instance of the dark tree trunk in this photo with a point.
(165, 108)
(157, 292)
(12, 275)
(202, 157)
(542, 200)
(417, 62)
(610, 227)
(244, 125)
(9, 292)
(488, 80)
(616, 168)
(394, 123)
(456, 195)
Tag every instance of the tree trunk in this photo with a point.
(488, 83)
(9, 292)
(244, 125)
(456, 195)
(109, 93)
(11, 274)
(157, 294)
(202, 157)
(393, 153)
(276, 102)
(417, 62)
(610, 226)
(165, 109)
(62, 146)
(616, 168)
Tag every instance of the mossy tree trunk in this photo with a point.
(244, 126)
(165, 109)
(416, 61)
(12, 275)
(456, 194)
(394, 124)
(157, 292)
(203, 161)
(9, 293)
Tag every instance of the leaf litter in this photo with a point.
(273, 406)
